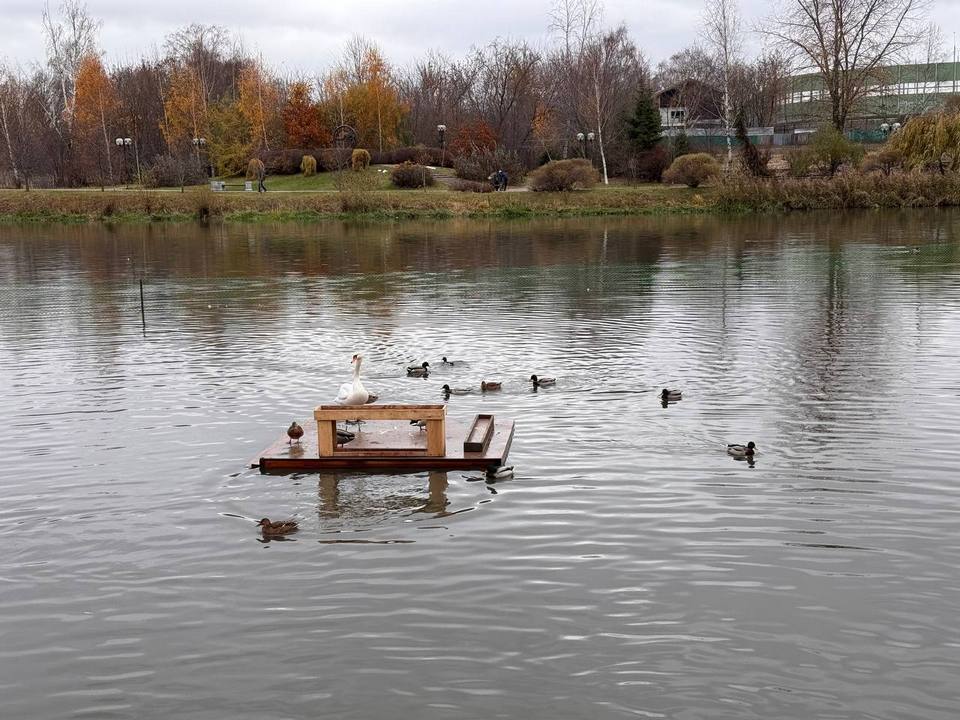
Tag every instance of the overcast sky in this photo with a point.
(307, 35)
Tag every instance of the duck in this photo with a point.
(671, 394)
(421, 370)
(422, 424)
(500, 473)
(450, 363)
(344, 436)
(486, 386)
(277, 528)
(353, 393)
(742, 451)
(447, 390)
(542, 381)
(294, 432)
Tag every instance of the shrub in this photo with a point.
(480, 165)
(172, 171)
(308, 165)
(800, 162)
(648, 166)
(692, 170)
(831, 149)
(884, 161)
(411, 175)
(562, 175)
(471, 186)
(254, 169)
(359, 159)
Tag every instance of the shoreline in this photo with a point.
(736, 197)
(200, 204)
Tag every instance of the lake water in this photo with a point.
(630, 569)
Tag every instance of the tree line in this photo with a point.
(202, 99)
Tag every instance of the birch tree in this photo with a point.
(722, 31)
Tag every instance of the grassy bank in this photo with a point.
(847, 191)
(200, 203)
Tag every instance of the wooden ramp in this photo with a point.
(389, 444)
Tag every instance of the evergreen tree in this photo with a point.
(643, 126)
(753, 159)
(681, 145)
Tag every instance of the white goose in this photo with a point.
(353, 393)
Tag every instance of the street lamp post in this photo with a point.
(199, 143)
(441, 134)
(124, 145)
(586, 140)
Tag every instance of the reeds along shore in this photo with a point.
(849, 190)
(738, 195)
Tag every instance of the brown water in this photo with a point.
(631, 568)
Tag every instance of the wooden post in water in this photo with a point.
(143, 317)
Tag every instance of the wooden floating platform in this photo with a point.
(387, 441)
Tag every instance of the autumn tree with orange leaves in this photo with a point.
(369, 99)
(301, 119)
(94, 110)
(259, 103)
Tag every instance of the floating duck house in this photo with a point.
(388, 441)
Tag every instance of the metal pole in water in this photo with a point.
(143, 317)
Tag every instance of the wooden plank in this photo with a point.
(478, 437)
(380, 412)
(326, 437)
(436, 438)
(402, 447)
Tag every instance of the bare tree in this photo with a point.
(847, 42)
(615, 70)
(722, 31)
(69, 38)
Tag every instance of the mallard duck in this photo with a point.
(742, 451)
(499, 473)
(447, 390)
(353, 393)
(542, 381)
(421, 370)
(294, 432)
(671, 394)
(277, 528)
(444, 361)
(422, 424)
(344, 436)
(486, 386)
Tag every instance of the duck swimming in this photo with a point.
(488, 386)
(671, 394)
(294, 432)
(277, 528)
(447, 390)
(542, 381)
(742, 451)
(421, 370)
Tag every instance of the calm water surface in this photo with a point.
(631, 568)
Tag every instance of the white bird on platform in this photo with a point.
(353, 393)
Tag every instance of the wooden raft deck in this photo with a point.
(386, 446)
